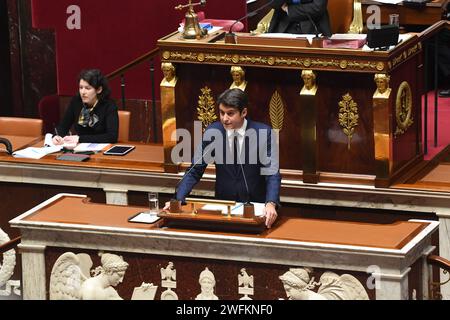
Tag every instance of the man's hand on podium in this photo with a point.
(270, 213)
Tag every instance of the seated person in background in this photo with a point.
(262, 181)
(93, 114)
(294, 16)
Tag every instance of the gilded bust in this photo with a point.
(238, 75)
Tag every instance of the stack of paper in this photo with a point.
(35, 153)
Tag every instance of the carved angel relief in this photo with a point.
(70, 279)
(299, 286)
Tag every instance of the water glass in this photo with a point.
(394, 19)
(153, 202)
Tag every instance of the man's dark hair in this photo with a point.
(235, 98)
(96, 79)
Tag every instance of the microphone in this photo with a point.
(316, 43)
(175, 205)
(249, 208)
(7, 144)
(230, 36)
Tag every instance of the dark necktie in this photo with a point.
(236, 152)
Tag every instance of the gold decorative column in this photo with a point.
(357, 24)
(169, 123)
(308, 103)
(383, 129)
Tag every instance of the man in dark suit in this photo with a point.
(241, 149)
(294, 16)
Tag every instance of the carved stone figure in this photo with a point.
(207, 283)
(246, 285)
(238, 75)
(244, 279)
(299, 286)
(168, 280)
(70, 278)
(169, 273)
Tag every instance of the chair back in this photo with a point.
(49, 112)
(27, 127)
(124, 125)
(341, 15)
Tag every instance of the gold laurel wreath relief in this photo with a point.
(206, 108)
(277, 111)
(403, 108)
(348, 117)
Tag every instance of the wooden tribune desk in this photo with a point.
(341, 133)
(385, 255)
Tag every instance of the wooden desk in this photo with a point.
(422, 16)
(18, 142)
(67, 223)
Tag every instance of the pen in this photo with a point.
(237, 207)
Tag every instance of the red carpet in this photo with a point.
(443, 125)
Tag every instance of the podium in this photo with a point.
(359, 122)
(389, 256)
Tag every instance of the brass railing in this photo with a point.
(148, 57)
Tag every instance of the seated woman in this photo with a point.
(93, 114)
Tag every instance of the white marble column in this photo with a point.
(392, 286)
(115, 196)
(444, 247)
(427, 275)
(33, 272)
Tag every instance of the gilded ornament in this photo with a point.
(206, 108)
(201, 57)
(238, 75)
(348, 116)
(380, 66)
(271, 61)
(343, 64)
(166, 55)
(235, 58)
(403, 108)
(277, 111)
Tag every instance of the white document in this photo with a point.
(35, 153)
(389, 1)
(288, 36)
(237, 209)
(95, 147)
(145, 217)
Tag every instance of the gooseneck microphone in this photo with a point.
(175, 205)
(249, 208)
(313, 23)
(230, 36)
(7, 144)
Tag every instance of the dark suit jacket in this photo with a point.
(297, 21)
(230, 184)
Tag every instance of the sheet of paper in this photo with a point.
(237, 209)
(96, 147)
(389, 1)
(35, 153)
(145, 217)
